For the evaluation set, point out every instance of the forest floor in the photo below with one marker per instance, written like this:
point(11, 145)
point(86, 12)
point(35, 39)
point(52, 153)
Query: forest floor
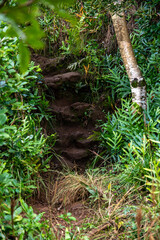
point(79, 210)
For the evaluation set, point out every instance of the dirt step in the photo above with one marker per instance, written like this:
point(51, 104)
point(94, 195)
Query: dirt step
point(57, 80)
point(80, 108)
point(72, 134)
point(71, 113)
point(79, 143)
point(64, 113)
point(75, 153)
point(84, 143)
point(49, 65)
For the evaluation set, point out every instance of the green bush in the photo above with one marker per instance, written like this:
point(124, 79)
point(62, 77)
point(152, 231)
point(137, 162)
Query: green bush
point(17, 219)
point(23, 147)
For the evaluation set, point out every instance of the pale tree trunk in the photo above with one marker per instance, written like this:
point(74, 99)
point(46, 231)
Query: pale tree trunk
point(137, 82)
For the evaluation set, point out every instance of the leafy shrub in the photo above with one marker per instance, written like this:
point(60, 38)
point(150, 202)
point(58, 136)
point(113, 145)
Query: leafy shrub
point(23, 147)
point(23, 150)
point(119, 129)
point(22, 143)
point(17, 219)
point(125, 139)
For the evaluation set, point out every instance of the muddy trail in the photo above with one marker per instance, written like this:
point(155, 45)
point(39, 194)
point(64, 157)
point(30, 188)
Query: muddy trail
point(74, 120)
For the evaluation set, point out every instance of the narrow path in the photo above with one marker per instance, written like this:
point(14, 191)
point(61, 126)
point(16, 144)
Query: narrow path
point(75, 117)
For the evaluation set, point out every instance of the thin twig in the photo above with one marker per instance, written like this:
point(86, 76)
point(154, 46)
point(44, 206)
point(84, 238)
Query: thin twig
point(109, 222)
point(100, 228)
point(117, 205)
point(152, 224)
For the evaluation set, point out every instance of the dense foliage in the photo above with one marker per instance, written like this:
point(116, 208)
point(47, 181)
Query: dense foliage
point(130, 148)
point(21, 15)
point(23, 147)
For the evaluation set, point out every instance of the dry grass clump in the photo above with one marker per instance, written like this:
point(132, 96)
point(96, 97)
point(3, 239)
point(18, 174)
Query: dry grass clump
point(69, 189)
point(118, 212)
point(75, 187)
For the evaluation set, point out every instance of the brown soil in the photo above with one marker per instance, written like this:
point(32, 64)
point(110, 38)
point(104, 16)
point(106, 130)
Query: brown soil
point(75, 117)
point(78, 210)
point(75, 120)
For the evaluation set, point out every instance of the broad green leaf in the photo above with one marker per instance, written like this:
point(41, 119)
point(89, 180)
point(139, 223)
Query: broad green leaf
point(152, 140)
point(17, 106)
point(72, 218)
point(13, 29)
point(16, 213)
point(24, 205)
point(34, 40)
point(3, 118)
point(4, 135)
point(149, 170)
point(67, 234)
point(24, 57)
point(20, 15)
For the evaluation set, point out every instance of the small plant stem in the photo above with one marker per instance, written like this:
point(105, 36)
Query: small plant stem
point(99, 228)
point(138, 220)
point(152, 224)
point(12, 212)
point(117, 205)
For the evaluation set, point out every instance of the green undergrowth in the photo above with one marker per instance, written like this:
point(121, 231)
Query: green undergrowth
point(113, 208)
point(123, 192)
point(120, 190)
point(24, 150)
point(92, 49)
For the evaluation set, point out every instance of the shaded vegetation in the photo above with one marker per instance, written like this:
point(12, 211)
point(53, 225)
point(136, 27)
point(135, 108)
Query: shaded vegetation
point(122, 183)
